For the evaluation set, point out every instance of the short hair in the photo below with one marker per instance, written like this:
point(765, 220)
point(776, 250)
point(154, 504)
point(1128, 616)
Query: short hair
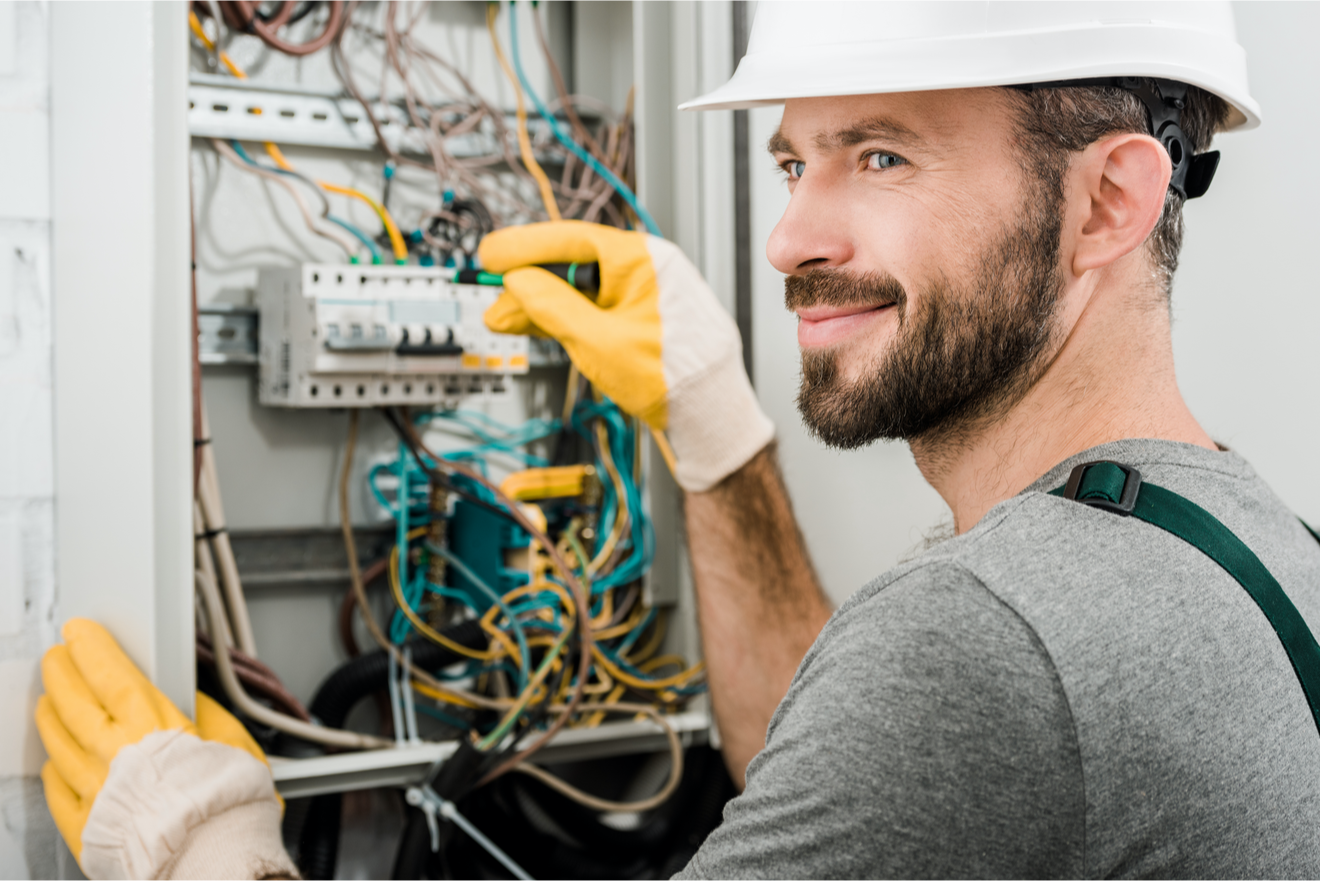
point(1053, 123)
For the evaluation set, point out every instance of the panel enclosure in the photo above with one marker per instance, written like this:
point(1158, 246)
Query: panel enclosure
point(278, 429)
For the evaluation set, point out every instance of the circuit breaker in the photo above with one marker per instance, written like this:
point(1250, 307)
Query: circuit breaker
point(335, 335)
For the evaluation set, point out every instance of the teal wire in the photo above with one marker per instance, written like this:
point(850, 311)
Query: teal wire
point(449, 720)
point(401, 519)
point(357, 233)
point(619, 186)
point(450, 594)
point(524, 656)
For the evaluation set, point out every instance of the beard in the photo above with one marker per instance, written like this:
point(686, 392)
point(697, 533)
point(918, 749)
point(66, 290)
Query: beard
point(963, 355)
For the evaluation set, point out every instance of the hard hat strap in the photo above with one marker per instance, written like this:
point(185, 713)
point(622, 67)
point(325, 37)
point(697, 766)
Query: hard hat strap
point(1164, 101)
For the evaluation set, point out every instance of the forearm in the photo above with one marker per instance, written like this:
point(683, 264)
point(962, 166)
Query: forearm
point(760, 603)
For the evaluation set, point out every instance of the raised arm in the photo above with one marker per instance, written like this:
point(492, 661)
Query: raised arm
point(658, 342)
point(760, 603)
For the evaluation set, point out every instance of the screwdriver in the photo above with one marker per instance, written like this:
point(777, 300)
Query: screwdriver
point(583, 276)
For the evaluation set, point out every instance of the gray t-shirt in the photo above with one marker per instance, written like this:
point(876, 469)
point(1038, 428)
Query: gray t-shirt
point(1058, 692)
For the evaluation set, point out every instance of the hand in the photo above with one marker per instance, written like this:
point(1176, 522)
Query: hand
point(96, 703)
point(135, 788)
point(656, 340)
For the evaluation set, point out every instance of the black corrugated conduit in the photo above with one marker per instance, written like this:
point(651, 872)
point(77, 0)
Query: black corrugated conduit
point(342, 690)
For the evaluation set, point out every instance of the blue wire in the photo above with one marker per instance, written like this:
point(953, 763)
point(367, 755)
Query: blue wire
point(514, 623)
point(631, 638)
point(357, 233)
point(443, 717)
point(620, 187)
point(450, 594)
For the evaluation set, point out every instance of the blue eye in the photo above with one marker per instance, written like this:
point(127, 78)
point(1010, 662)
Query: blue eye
point(884, 160)
point(795, 169)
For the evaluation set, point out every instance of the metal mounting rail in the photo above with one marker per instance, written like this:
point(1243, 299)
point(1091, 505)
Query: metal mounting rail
point(406, 766)
point(224, 107)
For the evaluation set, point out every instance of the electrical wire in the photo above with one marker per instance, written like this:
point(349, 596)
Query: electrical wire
point(619, 186)
point(524, 140)
point(257, 676)
point(246, 18)
point(260, 713)
point(666, 451)
point(233, 157)
point(391, 228)
point(607, 805)
point(440, 474)
point(359, 589)
point(315, 187)
point(213, 517)
point(564, 101)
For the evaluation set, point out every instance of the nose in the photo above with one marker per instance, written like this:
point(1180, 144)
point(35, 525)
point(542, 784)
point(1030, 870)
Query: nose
point(810, 235)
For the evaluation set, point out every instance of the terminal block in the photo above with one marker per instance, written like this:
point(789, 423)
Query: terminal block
point(370, 336)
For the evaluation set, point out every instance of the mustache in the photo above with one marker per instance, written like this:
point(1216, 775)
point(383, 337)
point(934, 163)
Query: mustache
point(837, 287)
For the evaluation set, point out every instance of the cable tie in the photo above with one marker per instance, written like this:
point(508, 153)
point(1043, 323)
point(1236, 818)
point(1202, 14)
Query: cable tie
point(210, 533)
point(200, 442)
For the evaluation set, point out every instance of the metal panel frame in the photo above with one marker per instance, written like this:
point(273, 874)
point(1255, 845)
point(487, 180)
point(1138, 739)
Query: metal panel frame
point(408, 765)
point(123, 435)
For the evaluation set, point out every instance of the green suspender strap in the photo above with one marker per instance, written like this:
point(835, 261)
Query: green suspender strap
point(1120, 489)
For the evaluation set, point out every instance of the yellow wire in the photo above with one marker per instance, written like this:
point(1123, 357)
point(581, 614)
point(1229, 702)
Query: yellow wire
point(634, 618)
point(196, 24)
point(396, 238)
point(651, 685)
point(661, 661)
point(570, 393)
point(488, 625)
point(666, 451)
point(606, 610)
point(423, 688)
point(422, 627)
point(637, 655)
point(524, 140)
point(621, 517)
point(535, 587)
point(596, 718)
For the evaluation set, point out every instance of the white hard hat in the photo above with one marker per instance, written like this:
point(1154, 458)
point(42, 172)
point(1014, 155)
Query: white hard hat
point(822, 47)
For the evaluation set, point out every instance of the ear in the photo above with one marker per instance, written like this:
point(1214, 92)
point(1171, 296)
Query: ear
point(1124, 180)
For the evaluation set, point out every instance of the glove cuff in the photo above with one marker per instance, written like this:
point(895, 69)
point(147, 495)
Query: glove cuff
point(716, 424)
point(213, 851)
point(176, 806)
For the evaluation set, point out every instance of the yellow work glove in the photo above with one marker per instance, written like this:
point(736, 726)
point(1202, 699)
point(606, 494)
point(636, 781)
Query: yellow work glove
point(655, 339)
point(131, 784)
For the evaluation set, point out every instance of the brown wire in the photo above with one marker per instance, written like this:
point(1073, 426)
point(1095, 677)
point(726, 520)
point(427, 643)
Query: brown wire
point(583, 136)
point(360, 591)
point(349, 603)
point(196, 365)
point(245, 16)
point(414, 441)
point(257, 677)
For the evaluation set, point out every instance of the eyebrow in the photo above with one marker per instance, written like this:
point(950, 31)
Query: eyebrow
point(873, 129)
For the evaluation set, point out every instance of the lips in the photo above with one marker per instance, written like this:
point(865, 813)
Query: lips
point(820, 326)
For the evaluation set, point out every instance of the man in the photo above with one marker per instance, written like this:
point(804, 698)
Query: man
point(984, 223)
point(983, 272)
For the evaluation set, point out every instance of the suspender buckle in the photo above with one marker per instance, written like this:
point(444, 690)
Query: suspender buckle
point(1111, 486)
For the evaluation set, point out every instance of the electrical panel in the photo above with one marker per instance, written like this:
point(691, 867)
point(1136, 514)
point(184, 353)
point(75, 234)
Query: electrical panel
point(335, 335)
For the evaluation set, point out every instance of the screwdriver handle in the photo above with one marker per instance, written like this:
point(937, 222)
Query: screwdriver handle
point(583, 276)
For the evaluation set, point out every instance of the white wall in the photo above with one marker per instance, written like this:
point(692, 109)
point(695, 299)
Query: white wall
point(1246, 300)
point(1246, 310)
point(27, 481)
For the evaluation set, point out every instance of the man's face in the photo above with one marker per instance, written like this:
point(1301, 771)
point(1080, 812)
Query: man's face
point(922, 261)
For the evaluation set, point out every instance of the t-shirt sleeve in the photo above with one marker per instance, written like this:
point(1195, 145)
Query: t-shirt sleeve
point(926, 734)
